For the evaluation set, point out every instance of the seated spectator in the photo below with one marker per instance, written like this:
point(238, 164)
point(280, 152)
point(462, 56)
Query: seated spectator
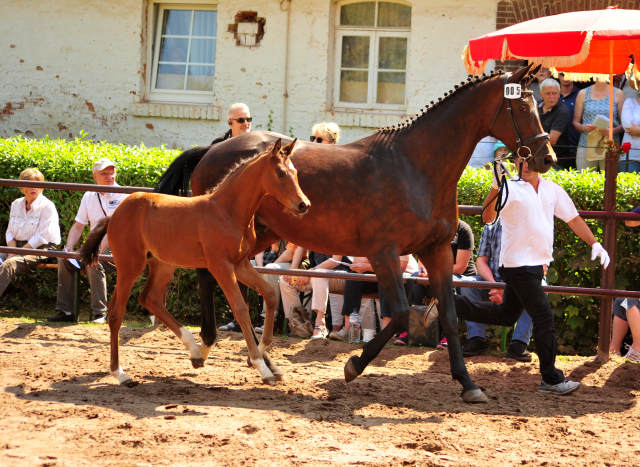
point(239, 119)
point(542, 74)
point(354, 290)
point(554, 117)
point(626, 314)
point(93, 208)
point(322, 287)
point(631, 124)
point(33, 224)
point(291, 254)
point(463, 267)
point(325, 133)
point(488, 266)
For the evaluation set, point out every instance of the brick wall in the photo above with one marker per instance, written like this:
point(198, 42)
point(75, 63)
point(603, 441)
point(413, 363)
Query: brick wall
point(516, 11)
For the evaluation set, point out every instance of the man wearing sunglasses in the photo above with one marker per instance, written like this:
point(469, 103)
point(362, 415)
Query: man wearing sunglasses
point(239, 119)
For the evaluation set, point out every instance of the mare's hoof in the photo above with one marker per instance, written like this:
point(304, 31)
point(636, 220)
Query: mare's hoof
point(197, 362)
point(130, 383)
point(474, 396)
point(351, 371)
point(270, 380)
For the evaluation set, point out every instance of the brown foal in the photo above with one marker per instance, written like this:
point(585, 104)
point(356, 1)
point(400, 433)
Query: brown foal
point(214, 231)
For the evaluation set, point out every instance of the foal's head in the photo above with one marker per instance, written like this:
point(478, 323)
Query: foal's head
point(281, 179)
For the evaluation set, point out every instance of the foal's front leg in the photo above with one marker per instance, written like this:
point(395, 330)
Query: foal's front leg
point(250, 277)
point(223, 271)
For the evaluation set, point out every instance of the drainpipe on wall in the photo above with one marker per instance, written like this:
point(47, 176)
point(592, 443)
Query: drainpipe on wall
point(286, 67)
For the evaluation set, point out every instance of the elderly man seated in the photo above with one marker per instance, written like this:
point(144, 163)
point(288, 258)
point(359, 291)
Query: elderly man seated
point(555, 119)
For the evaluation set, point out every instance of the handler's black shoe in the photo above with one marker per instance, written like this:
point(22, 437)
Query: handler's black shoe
point(518, 351)
point(560, 389)
point(476, 346)
point(61, 317)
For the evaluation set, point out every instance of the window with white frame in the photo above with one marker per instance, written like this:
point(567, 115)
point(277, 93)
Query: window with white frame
point(184, 53)
point(372, 46)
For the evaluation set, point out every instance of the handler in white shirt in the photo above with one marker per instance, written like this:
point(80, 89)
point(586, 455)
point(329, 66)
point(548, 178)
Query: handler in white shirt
point(33, 223)
point(527, 245)
point(93, 207)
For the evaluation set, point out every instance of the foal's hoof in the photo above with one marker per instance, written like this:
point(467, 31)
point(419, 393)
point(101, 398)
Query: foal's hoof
point(351, 371)
point(474, 396)
point(129, 383)
point(269, 380)
point(197, 362)
point(279, 377)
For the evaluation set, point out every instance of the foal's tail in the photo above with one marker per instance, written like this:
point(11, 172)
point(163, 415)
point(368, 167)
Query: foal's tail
point(175, 180)
point(91, 248)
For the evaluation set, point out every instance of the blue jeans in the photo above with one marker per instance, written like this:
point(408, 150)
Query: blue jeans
point(524, 326)
point(632, 166)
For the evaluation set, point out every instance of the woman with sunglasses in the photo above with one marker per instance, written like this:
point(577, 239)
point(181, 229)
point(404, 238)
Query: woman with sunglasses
point(325, 133)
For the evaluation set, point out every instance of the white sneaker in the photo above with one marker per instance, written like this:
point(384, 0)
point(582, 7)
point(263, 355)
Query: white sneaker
point(322, 334)
point(340, 335)
point(633, 355)
point(560, 389)
point(100, 319)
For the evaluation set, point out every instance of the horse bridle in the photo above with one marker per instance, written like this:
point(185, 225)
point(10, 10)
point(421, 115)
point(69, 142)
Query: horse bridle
point(516, 129)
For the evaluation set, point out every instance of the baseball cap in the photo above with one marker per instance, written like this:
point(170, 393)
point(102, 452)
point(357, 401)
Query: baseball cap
point(498, 145)
point(102, 164)
point(636, 210)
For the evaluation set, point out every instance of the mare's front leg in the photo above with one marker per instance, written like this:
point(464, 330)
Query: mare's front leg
point(223, 270)
point(250, 277)
point(208, 331)
point(152, 298)
point(387, 267)
point(439, 263)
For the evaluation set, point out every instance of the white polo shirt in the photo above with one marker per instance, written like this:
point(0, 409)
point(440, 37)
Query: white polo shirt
point(527, 222)
point(94, 206)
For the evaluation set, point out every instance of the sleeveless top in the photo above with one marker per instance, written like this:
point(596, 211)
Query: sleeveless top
point(592, 109)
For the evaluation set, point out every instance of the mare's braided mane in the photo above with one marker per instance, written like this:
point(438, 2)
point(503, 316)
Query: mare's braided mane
point(447, 95)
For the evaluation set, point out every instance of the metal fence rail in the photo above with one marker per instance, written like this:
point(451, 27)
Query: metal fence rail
point(364, 277)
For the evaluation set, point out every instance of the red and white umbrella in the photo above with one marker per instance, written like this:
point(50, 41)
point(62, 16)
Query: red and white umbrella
point(582, 44)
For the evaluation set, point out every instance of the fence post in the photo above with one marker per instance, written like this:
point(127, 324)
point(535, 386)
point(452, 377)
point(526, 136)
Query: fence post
point(609, 242)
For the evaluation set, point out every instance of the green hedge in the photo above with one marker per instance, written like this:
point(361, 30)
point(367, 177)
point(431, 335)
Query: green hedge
point(59, 160)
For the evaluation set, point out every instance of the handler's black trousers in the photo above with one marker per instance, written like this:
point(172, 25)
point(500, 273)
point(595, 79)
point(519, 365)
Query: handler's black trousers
point(523, 290)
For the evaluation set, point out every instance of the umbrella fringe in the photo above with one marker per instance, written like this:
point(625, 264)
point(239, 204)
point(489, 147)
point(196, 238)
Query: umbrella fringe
point(473, 68)
point(477, 68)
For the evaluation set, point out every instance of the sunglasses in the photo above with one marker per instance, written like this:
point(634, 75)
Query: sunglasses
point(317, 139)
point(242, 120)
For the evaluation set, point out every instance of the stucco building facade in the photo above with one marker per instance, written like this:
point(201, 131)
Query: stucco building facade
point(164, 72)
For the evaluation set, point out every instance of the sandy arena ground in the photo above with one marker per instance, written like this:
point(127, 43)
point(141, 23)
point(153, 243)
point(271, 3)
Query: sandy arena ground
point(59, 407)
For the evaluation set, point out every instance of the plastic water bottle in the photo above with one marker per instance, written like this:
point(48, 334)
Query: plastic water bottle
point(354, 330)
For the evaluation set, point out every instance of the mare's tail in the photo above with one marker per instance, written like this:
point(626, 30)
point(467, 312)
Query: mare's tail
point(175, 180)
point(91, 248)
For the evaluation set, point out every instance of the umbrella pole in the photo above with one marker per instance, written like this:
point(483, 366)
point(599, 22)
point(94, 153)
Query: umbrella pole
point(610, 232)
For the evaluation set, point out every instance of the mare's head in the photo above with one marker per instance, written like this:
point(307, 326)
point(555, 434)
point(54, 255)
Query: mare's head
point(281, 179)
point(517, 124)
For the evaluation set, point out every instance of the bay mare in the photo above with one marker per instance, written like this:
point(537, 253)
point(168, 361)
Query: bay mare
point(213, 232)
point(389, 194)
